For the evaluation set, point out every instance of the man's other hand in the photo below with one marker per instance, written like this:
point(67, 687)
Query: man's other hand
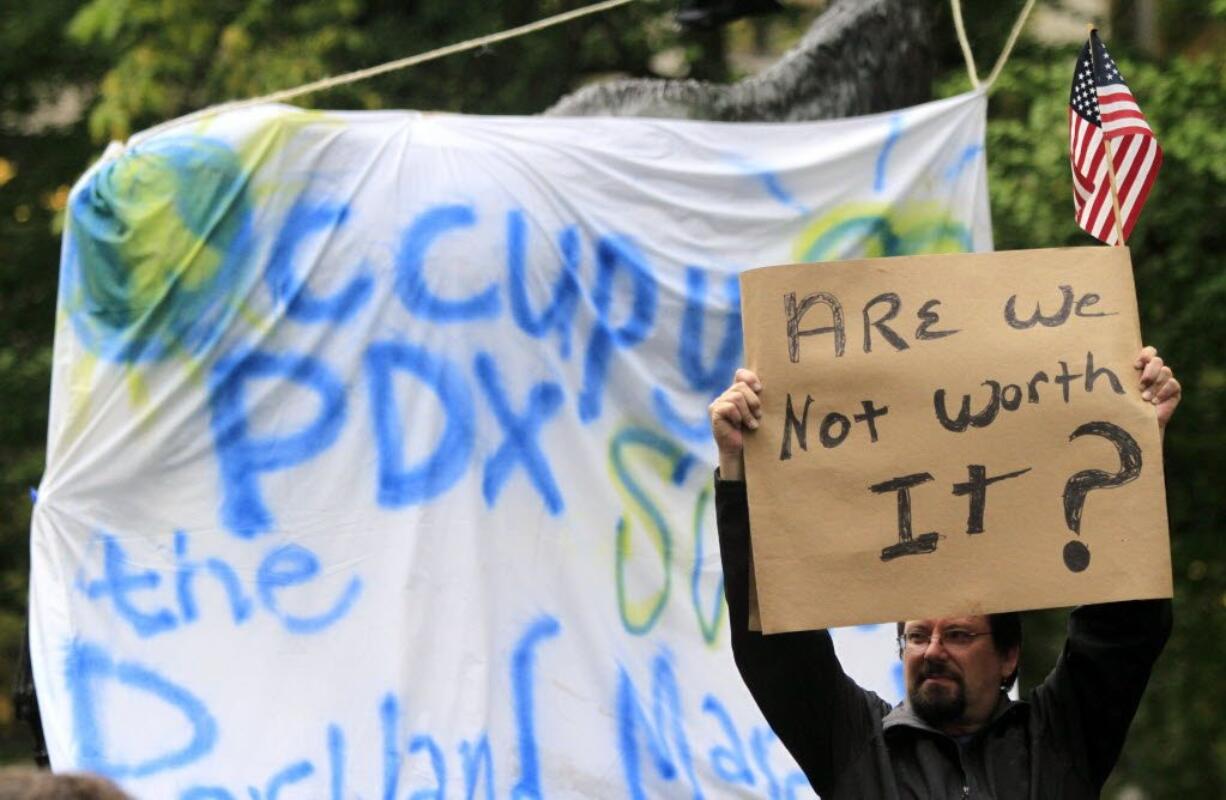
point(732, 413)
point(1158, 385)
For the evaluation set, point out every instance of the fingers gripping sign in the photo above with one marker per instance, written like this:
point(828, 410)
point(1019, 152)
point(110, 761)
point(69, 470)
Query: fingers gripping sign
point(1158, 385)
point(737, 409)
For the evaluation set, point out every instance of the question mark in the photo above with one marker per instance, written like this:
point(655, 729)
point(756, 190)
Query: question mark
point(1076, 554)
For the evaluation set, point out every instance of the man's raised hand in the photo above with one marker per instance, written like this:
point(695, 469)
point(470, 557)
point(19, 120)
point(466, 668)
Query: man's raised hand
point(1158, 385)
point(734, 411)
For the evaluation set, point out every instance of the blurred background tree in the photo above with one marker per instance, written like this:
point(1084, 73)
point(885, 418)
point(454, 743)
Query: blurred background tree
point(45, 85)
point(75, 74)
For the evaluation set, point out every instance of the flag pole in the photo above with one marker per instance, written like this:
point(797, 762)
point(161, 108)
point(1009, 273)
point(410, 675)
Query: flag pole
point(1115, 197)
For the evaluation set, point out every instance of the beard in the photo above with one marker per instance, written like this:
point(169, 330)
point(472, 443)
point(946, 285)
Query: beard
point(937, 703)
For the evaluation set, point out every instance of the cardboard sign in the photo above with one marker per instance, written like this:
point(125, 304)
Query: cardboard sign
point(950, 434)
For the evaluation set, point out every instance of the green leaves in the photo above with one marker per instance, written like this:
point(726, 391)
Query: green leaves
point(99, 22)
point(171, 58)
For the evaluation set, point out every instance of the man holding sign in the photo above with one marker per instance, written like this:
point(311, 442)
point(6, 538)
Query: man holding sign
point(957, 734)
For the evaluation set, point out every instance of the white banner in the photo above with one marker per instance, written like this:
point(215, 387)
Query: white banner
point(378, 459)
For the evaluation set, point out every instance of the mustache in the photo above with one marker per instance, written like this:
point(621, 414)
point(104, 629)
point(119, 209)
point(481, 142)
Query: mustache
point(931, 669)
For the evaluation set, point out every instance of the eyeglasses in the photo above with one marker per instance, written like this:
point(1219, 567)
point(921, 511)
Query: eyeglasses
point(953, 639)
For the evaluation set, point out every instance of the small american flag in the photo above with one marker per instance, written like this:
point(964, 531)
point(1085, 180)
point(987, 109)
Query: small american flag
point(1102, 110)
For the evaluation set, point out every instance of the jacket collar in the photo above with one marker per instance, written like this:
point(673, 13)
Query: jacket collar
point(903, 716)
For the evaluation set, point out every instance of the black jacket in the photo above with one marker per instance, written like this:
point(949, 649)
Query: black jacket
point(1062, 742)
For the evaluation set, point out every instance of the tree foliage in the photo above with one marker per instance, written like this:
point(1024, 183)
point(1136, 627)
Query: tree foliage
point(42, 150)
point(177, 56)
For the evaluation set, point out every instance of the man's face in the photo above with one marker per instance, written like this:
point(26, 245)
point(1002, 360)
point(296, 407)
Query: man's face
point(953, 681)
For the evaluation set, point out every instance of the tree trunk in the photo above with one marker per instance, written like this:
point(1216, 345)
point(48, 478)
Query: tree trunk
point(859, 57)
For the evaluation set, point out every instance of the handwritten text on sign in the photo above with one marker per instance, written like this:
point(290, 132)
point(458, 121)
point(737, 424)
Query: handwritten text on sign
point(950, 434)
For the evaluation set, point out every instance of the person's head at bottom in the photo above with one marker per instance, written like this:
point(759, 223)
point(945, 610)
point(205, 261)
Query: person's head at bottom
point(956, 668)
point(27, 783)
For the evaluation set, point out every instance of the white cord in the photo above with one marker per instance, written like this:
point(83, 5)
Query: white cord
point(390, 66)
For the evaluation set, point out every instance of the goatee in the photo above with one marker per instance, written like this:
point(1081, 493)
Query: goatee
point(937, 703)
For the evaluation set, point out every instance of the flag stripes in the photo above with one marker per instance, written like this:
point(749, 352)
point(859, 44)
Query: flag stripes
point(1104, 118)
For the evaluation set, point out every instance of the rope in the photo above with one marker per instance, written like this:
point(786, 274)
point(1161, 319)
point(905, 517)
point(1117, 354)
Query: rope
point(971, 71)
point(390, 66)
point(1012, 40)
